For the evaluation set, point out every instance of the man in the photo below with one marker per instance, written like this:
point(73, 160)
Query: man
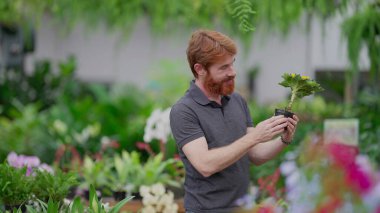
point(214, 131)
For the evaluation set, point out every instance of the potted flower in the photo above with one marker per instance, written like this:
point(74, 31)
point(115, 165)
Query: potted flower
point(300, 86)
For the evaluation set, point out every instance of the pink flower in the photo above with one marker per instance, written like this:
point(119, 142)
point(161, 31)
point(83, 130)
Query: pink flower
point(265, 209)
point(29, 171)
point(142, 145)
point(360, 180)
point(19, 161)
point(342, 154)
point(45, 167)
point(22, 160)
point(13, 160)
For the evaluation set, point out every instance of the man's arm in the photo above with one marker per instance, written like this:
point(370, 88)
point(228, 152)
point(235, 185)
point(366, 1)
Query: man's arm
point(264, 152)
point(209, 161)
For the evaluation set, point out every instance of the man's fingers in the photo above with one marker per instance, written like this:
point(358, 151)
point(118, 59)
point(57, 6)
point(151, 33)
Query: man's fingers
point(279, 121)
point(279, 127)
point(274, 118)
point(291, 128)
point(278, 132)
point(293, 121)
point(295, 117)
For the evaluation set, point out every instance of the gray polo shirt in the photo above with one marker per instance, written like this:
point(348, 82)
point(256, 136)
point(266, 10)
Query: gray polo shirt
point(194, 116)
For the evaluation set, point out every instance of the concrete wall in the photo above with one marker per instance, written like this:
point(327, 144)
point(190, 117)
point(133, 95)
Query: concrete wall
point(106, 57)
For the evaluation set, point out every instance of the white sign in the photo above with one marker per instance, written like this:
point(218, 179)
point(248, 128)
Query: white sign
point(341, 131)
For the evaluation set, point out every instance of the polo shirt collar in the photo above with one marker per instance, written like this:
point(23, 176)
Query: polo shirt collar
point(199, 97)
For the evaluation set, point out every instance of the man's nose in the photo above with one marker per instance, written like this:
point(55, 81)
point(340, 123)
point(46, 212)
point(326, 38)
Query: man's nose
point(232, 72)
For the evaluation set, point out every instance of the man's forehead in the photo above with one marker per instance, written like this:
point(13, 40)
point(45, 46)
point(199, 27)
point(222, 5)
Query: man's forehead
point(228, 59)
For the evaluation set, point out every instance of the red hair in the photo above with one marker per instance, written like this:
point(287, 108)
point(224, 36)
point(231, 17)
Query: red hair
point(206, 47)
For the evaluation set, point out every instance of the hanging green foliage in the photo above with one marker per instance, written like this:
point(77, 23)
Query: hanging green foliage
point(238, 17)
point(363, 30)
point(281, 15)
point(242, 10)
point(164, 15)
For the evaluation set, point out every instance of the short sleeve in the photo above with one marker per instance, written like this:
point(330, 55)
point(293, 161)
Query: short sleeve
point(184, 124)
point(247, 114)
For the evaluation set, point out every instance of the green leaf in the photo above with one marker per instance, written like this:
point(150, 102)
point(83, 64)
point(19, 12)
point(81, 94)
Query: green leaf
point(120, 204)
point(77, 206)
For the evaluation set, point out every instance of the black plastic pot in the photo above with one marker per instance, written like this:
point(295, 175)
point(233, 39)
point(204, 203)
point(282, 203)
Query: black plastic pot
point(119, 195)
point(287, 114)
point(72, 192)
point(10, 208)
point(136, 196)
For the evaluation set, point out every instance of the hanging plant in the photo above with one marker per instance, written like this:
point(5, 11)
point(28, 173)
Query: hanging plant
point(236, 16)
point(363, 30)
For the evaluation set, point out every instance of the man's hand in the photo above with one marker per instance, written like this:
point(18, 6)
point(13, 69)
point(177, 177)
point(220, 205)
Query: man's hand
point(291, 129)
point(268, 129)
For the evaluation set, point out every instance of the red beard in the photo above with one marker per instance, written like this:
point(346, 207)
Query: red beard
point(223, 87)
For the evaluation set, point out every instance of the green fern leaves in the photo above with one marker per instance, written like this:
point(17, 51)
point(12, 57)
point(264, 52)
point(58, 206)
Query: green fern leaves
point(242, 10)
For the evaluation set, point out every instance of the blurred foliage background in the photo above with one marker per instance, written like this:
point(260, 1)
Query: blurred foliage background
point(32, 103)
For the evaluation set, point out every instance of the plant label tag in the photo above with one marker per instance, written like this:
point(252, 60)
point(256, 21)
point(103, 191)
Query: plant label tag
point(344, 131)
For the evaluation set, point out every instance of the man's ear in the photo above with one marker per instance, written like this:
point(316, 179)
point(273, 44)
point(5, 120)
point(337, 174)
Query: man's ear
point(199, 69)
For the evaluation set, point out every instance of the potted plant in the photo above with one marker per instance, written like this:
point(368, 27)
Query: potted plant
point(155, 170)
point(125, 173)
point(54, 186)
point(94, 204)
point(94, 172)
point(300, 86)
point(15, 186)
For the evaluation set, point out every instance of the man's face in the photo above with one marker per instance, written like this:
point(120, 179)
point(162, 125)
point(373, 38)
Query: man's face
point(220, 77)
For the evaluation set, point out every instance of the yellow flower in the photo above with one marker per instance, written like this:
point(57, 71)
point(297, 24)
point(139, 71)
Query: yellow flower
point(293, 75)
point(305, 77)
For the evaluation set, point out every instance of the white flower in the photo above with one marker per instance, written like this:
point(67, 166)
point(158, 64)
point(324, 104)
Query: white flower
point(158, 126)
point(144, 191)
point(83, 136)
point(155, 198)
point(150, 200)
point(106, 206)
point(105, 141)
point(165, 200)
point(158, 189)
